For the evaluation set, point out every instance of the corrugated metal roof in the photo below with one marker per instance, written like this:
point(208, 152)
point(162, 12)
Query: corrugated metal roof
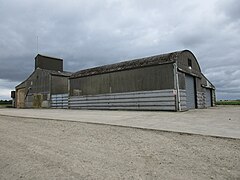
point(136, 63)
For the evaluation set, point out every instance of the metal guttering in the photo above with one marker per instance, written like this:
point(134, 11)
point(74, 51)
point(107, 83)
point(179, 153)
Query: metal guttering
point(132, 64)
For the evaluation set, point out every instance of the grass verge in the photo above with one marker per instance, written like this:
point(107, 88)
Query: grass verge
point(236, 102)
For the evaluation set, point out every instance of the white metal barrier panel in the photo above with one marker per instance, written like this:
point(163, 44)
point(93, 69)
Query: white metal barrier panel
point(143, 100)
point(59, 101)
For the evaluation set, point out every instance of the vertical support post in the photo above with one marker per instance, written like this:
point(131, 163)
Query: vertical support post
point(50, 90)
point(68, 80)
point(177, 87)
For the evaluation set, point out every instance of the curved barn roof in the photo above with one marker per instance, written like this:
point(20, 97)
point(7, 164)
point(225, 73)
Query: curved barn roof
point(136, 63)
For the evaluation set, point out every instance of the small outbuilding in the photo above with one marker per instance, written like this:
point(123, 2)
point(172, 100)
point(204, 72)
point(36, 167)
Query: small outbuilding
point(43, 87)
point(172, 81)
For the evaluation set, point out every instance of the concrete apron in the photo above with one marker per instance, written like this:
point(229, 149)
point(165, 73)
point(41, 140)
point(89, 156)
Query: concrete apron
point(223, 121)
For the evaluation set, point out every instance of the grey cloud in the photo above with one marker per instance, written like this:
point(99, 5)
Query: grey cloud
point(226, 79)
point(92, 33)
point(230, 9)
point(16, 68)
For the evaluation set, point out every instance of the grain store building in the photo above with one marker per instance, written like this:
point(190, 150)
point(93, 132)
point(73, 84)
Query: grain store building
point(172, 81)
point(43, 87)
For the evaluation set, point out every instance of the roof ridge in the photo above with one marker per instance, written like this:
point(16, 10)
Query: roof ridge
point(129, 64)
point(51, 57)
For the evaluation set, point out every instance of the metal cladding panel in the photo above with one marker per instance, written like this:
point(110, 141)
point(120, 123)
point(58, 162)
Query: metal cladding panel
point(143, 100)
point(59, 84)
point(201, 99)
point(38, 82)
point(190, 91)
point(59, 101)
point(208, 98)
point(181, 80)
point(183, 100)
point(183, 63)
point(44, 62)
point(158, 77)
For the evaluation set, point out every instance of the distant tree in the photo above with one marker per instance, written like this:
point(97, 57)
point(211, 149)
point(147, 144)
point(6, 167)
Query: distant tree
point(5, 101)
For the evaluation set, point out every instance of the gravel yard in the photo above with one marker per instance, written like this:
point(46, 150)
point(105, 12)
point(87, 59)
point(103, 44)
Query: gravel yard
point(50, 149)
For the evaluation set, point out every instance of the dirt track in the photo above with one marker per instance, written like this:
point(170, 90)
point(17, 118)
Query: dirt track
point(47, 149)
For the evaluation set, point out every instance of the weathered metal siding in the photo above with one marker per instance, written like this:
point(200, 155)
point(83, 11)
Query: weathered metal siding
point(195, 70)
point(48, 63)
point(183, 99)
point(36, 89)
point(59, 101)
point(181, 80)
point(59, 85)
point(201, 100)
point(182, 64)
point(141, 79)
point(208, 98)
point(144, 100)
point(213, 98)
point(206, 86)
point(200, 96)
point(38, 82)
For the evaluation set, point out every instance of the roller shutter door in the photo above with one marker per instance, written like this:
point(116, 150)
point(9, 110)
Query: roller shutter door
point(208, 98)
point(190, 91)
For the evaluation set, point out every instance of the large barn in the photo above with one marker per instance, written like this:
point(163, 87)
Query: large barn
point(47, 82)
point(172, 81)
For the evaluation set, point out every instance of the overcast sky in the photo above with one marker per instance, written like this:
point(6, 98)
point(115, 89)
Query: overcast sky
point(97, 32)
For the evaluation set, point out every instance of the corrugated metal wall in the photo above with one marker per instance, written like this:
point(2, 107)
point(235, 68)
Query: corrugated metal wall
point(183, 99)
point(38, 82)
point(142, 100)
point(208, 98)
point(142, 79)
point(59, 101)
point(201, 98)
point(59, 85)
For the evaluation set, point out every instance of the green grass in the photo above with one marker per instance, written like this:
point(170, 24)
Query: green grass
point(5, 105)
point(232, 102)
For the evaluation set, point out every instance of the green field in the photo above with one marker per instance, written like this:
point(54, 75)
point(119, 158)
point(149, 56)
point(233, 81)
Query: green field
point(5, 103)
point(232, 102)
